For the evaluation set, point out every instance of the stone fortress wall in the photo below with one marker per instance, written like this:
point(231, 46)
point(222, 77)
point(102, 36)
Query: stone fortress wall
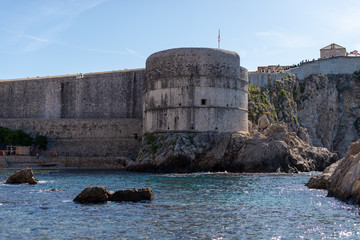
point(115, 94)
point(95, 114)
point(335, 65)
point(195, 89)
point(101, 114)
point(264, 80)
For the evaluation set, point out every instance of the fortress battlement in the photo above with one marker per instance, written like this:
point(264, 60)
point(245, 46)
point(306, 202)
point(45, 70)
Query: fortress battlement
point(77, 75)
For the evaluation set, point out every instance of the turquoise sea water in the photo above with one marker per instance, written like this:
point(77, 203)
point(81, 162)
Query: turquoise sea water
point(187, 206)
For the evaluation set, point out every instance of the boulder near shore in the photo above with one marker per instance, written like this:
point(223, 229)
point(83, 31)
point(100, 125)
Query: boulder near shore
point(25, 175)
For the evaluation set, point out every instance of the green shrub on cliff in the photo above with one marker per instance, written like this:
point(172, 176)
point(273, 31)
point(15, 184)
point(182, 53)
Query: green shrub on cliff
point(277, 101)
point(259, 104)
point(150, 138)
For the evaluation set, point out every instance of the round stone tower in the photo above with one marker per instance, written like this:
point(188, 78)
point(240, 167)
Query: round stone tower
point(195, 90)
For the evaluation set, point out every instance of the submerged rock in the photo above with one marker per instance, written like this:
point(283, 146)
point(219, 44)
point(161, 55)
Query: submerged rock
point(93, 195)
point(53, 190)
point(133, 195)
point(25, 175)
point(274, 150)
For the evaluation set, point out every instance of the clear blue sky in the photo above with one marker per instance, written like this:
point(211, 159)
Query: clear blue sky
point(54, 37)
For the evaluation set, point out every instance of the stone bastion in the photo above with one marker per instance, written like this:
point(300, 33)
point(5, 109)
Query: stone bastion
point(195, 90)
point(104, 114)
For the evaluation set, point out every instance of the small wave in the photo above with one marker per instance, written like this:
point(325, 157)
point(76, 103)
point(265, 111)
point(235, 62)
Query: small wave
point(66, 201)
point(44, 181)
point(196, 174)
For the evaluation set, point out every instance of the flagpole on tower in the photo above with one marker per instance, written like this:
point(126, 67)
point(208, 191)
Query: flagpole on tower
point(219, 39)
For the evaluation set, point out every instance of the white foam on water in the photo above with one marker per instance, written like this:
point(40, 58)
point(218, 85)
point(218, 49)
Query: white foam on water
point(43, 181)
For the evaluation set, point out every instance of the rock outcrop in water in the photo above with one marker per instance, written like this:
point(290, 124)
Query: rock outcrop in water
point(322, 180)
point(93, 195)
point(274, 150)
point(344, 180)
point(102, 195)
point(25, 175)
point(132, 195)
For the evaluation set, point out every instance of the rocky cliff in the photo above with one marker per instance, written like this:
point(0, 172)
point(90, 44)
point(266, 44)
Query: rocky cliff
point(286, 118)
point(275, 149)
point(327, 108)
point(342, 178)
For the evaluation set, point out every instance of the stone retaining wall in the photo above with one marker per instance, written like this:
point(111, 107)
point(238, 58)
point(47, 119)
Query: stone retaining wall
point(62, 162)
point(84, 137)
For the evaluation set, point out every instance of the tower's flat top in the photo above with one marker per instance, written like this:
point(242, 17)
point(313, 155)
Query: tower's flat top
point(194, 50)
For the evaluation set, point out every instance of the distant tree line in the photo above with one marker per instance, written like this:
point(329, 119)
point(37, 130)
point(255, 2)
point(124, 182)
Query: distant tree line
point(19, 137)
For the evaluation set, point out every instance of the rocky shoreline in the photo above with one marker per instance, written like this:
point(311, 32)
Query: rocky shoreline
point(268, 148)
point(275, 149)
point(341, 179)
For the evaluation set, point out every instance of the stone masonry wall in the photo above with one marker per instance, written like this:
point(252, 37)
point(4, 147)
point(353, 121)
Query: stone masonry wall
point(87, 115)
point(84, 137)
point(116, 94)
point(263, 80)
point(336, 65)
point(195, 89)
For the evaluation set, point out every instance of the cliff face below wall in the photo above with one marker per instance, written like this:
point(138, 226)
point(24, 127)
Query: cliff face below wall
point(329, 107)
point(323, 110)
point(274, 150)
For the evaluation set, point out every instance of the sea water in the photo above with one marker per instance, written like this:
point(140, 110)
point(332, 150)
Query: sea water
point(186, 206)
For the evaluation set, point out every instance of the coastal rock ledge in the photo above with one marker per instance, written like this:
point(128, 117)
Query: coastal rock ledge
point(25, 175)
point(273, 150)
point(342, 179)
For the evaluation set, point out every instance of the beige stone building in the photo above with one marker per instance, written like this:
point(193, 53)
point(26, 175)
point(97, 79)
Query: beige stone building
point(333, 50)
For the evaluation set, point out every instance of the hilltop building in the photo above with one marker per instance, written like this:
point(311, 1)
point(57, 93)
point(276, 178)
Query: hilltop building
point(333, 50)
